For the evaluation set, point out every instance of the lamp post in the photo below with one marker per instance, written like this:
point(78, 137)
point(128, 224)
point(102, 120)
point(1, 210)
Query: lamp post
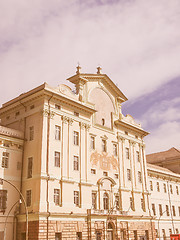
point(158, 224)
point(22, 197)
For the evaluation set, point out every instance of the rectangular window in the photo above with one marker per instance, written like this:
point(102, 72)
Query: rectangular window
point(76, 163)
point(164, 233)
point(98, 235)
point(76, 138)
point(104, 145)
point(76, 114)
point(160, 209)
point(57, 132)
point(31, 133)
point(170, 231)
point(94, 200)
point(146, 234)
point(28, 198)
point(177, 190)
point(57, 107)
point(92, 142)
point(131, 203)
point(164, 185)
point(171, 189)
point(57, 159)
point(151, 185)
point(177, 231)
point(167, 210)
point(135, 235)
point(5, 160)
point(57, 196)
point(153, 209)
point(30, 167)
point(117, 201)
point(139, 177)
point(158, 188)
point(179, 210)
point(76, 198)
point(93, 171)
point(32, 107)
point(115, 149)
point(129, 174)
point(174, 211)
point(127, 153)
point(105, 174)
point(3, 200)
point(79, 236)
point(17, 114)
point(58, 236)
point(143, 204)
point(137, 156)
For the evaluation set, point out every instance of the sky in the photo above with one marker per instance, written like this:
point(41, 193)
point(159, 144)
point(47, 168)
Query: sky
point(136, 42)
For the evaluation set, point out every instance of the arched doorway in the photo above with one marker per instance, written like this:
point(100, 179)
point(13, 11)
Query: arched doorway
point(110, 231)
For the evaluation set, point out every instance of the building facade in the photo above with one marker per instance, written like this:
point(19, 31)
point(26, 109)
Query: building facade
point(84, 172)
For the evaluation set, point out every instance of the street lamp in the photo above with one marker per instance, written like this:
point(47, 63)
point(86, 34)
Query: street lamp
point(22, 197)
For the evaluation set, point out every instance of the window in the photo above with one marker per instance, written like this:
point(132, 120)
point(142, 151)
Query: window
point(146, 234)
point(127, 153)
point(58, 236)
point(8, 117)
point(104, 145)
point(28, 198)
point(92, 142)
point(129, 174)
point(57, 159)
point(56, 196)
point(23, 236)
point(3, 200)
point(76, 163)
point(158, 188)
point(116, 175)
point(177, 231)
point(156, 233)
point(164, 233)
point(106, 201)
point(93, 171)
point(32, 106)
point(131, 203)
point(76, 138)
point(79, 236)
point(117, 201)
point(57, 107)
point(153, 209)
point(171, 189)
point(174, 211)
point(76, 198)
point(167, 210)
point(18, 165)
point(57, 132)
point(103, 121)
point(105, 174)
point(143, 204)
point(160, 209)
point(76, 114)
point(139, 177)
point(17, 114)
point(31, 133)
point(94, 200)
point(137, 156)
point(177, 190)
point(126, 132)
point(170, 231)
point(151, 186)
point(30, 167)
point(115, 149)
point(5, 160)
point(179, 210)
point(135, 235)
point(164, 185)
point(98, 235)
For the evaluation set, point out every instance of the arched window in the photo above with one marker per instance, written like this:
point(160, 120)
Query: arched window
point(106, 201)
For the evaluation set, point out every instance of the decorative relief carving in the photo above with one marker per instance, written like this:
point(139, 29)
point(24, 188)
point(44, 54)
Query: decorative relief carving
point(84, 126)
point(64, 119)
point(49, 113)
point(105, 162)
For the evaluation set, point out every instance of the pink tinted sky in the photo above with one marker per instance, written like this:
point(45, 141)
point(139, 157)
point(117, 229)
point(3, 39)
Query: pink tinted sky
point(137, 42)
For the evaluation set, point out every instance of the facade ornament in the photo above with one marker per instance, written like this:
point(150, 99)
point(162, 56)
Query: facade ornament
point(99, 70)
point(64, 119)
point(51, 114)
point(82, 125)
point(70, 121)
point(45, 112)
point(120, 138)
point(78, 69)
point(88, 127)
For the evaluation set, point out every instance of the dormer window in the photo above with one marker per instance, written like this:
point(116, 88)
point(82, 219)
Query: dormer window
point(103, 121)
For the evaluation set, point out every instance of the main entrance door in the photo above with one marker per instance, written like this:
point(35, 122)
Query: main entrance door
point(110, 232)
